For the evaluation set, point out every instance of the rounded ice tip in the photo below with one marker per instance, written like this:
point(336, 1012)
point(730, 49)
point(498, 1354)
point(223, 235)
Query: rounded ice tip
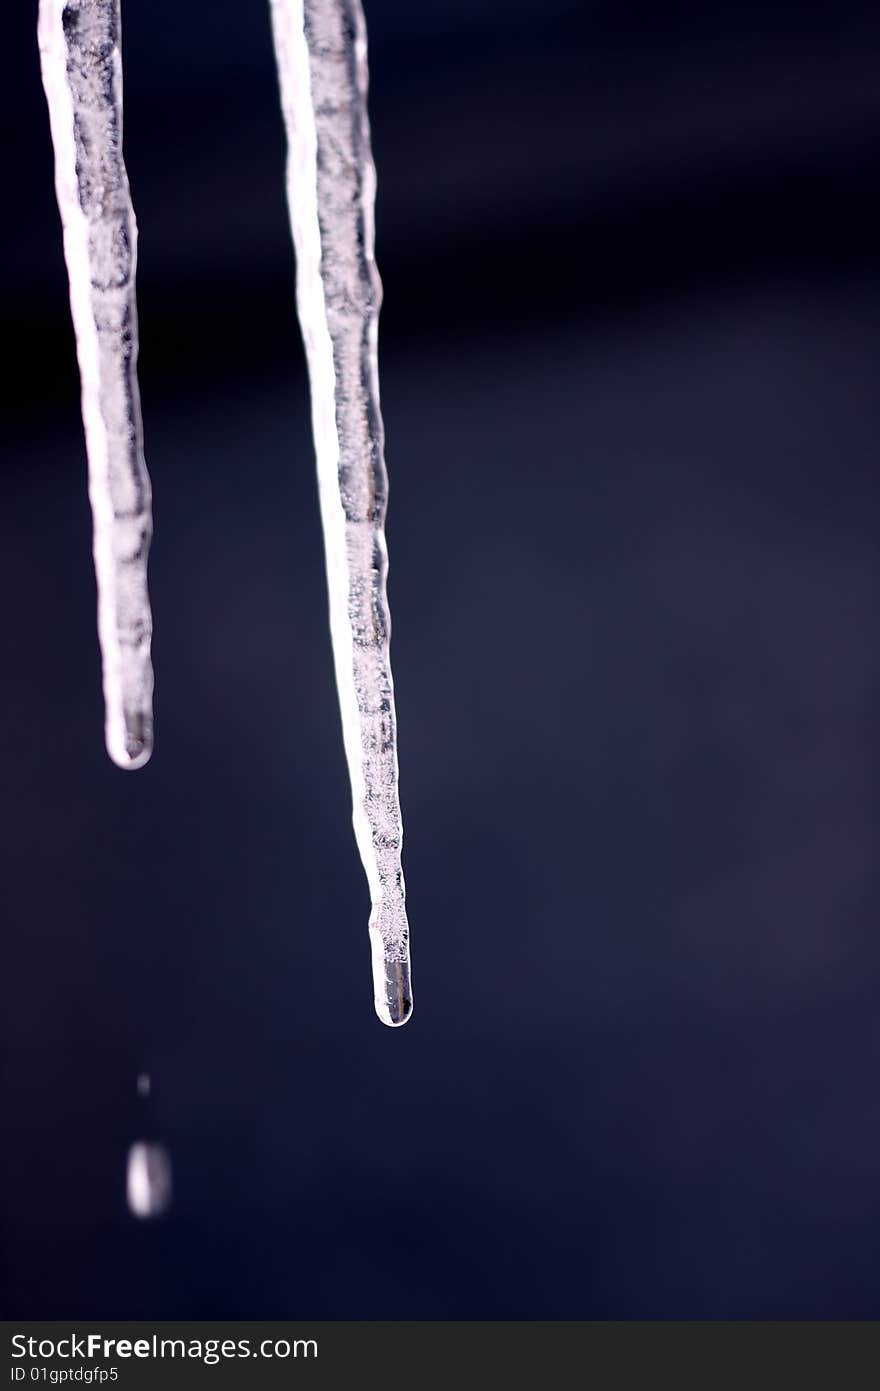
point(393, 997)
point(130, 743)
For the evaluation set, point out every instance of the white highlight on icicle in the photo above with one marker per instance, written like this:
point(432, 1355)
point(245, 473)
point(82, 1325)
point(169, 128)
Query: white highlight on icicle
point(82, 75)
point(322, 64)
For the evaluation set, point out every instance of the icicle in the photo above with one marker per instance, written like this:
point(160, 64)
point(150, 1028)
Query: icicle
point(322, 64)
point(82, 76)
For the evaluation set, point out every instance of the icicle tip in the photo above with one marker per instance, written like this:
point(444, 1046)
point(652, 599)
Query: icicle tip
point(130, 742)
point(393, 993)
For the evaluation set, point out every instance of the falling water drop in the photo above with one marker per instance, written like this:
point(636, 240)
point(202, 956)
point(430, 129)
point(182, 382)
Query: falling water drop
point(148, 1179)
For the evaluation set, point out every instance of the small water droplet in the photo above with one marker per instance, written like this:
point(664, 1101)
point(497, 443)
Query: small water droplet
point(144, 1084)
point(148, 1179)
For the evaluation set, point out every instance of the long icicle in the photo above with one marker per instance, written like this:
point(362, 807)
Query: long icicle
point(82, 75)
point(322, 64)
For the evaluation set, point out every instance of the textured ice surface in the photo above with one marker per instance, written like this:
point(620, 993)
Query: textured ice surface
point(322, 64)
point(148, 1179)
point(82, 76)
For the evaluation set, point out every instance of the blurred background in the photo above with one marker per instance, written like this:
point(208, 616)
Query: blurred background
point(628, 358)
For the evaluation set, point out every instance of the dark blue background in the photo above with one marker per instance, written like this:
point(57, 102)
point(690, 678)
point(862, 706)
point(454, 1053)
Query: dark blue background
point(629, 354)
